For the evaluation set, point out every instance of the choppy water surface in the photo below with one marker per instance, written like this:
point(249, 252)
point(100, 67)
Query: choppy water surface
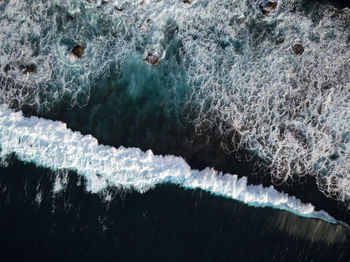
point(254, 88)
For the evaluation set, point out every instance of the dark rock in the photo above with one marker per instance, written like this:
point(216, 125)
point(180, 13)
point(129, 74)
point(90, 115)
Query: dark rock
point(77, 51)
point(187, 2)
point(267, 8)
point(104, 3)
point(298, 49)
point(151, 59)
point(265, 12)
point(272, 6)
point(29, 69)
point(118, 9)
point(148, 20)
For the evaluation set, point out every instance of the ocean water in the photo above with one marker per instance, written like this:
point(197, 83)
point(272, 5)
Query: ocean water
point(200, 130)
point(167, 223)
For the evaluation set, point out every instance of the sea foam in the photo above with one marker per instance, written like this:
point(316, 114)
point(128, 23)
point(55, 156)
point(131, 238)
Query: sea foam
point(235, 65)
point(51, 144)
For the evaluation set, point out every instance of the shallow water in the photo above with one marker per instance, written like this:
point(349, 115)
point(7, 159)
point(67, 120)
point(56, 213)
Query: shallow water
point(225, 68)
point(229, 92)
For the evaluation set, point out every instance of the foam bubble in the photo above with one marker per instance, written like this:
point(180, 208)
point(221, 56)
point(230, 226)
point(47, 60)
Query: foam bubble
point(292, 110)
point(51, 144)
point(242, 74)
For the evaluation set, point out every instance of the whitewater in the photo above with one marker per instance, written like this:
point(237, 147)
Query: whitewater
point(51, 144)
point(225, 66)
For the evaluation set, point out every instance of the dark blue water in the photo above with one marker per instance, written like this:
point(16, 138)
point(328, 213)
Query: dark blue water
point(167, 223)
point(176, 107)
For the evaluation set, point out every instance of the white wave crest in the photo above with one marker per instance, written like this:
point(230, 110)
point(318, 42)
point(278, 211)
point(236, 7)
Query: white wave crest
point(243, 77)
point(51, 144)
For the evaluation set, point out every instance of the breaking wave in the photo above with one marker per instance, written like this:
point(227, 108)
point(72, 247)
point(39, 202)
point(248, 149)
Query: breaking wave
point(51, 144)
point(290, 108)
point(273, 79)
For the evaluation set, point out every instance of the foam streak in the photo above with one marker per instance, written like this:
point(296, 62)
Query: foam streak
point(51, 144)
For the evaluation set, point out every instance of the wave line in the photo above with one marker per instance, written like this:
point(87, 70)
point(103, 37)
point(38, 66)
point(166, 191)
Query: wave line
point(51, 144)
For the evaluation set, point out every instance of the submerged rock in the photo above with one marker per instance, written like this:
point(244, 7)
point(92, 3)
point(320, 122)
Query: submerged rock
point(298, 49)
point(70, 17)
point(152, 59)
point(77, 51)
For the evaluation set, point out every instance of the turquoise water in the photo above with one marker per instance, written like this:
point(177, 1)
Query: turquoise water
point(226, 90)
point(224, 68)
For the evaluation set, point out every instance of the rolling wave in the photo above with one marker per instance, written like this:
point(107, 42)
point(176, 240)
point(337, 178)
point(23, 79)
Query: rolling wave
point(269, 78)
point(51, 144)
